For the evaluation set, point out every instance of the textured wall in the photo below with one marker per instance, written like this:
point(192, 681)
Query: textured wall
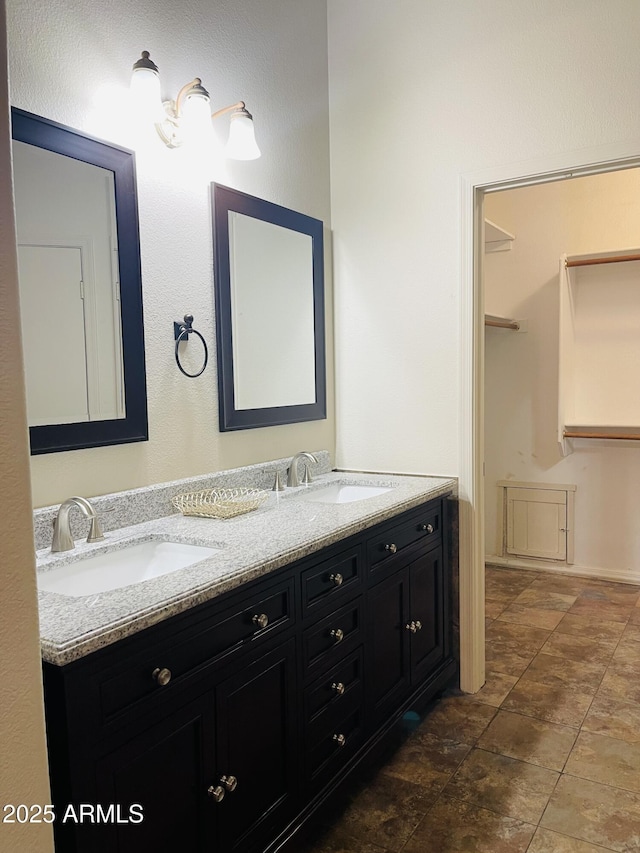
point(70, 60)
point(592, 214)
point(23, 765)
point(422, 92)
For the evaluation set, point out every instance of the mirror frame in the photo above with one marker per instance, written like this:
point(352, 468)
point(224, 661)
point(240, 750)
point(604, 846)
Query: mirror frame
point(224, 200)
point(44, 133)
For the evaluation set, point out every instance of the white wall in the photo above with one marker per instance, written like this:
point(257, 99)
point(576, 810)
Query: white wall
point(23, 763)
point(421, 93)
point(591, 214)
point(70, 62)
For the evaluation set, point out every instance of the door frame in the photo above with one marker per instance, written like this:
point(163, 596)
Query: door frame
point(473, 187)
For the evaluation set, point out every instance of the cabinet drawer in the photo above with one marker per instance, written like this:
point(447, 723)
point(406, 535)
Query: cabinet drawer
point(425, 526)
point(329, 747)
point(332, 637)
point(334, 687)
point(331, 580)
point(260, 617)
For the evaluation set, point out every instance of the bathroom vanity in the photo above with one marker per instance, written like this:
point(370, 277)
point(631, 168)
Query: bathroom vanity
point(232, 715)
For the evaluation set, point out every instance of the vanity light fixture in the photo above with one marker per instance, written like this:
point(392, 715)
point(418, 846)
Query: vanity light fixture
point(188, 118)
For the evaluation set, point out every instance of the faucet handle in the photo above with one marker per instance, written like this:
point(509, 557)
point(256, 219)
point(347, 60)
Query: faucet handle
point(95, 531)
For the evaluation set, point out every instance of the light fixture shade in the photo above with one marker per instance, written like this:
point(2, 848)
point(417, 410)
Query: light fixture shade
point(145, 89)
point(242, 144)
point(196, 116)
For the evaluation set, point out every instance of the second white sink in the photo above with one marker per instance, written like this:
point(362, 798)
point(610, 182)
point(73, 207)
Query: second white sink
point(115, 569)
point(341, 493)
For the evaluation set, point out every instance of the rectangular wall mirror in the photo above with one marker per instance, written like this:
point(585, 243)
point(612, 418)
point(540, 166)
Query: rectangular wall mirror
point(80, 287)
point(269, 287)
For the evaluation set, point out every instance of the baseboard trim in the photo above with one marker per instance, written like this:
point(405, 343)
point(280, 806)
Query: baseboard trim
point(615, 575)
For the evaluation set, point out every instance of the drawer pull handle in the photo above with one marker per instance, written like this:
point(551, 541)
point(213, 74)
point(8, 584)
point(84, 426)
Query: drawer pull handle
point(261, 620)
point(340, 739)
point(216, 792)
point(229, 782)
point(427, 528)
point(391, 548)
point(411, 626)
point(338, 688)
point(336, 579)
point(337, 634)
point(161, 676)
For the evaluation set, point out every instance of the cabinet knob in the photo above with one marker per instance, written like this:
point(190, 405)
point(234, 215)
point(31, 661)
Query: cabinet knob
point(338, 688)
point(340, 739)
point(411, 626)
point(336, 579)
point(391, 548)
point(161, 676)
point(418, 625)
point(337, 634)
point(261, 620)
point(428, 528)
point(229, 782)
point(216, 792)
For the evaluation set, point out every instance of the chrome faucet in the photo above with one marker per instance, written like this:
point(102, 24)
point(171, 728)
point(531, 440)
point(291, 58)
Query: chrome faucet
point(292, 479)
point(62, 539)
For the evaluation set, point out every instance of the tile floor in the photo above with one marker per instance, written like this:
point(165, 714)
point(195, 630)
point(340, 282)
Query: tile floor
point(545, 759)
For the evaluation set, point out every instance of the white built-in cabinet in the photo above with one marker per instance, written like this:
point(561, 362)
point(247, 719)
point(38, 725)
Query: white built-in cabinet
point(599, 347)
point(538, 520)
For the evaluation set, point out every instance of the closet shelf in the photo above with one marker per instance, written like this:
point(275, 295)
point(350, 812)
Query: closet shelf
point(496, 239)
point(627, 433)
point(498, 322)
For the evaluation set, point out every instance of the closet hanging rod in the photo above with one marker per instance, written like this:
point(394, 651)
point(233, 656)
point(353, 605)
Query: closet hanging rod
point(501, 322)
point(609, 259)
point(621, 436)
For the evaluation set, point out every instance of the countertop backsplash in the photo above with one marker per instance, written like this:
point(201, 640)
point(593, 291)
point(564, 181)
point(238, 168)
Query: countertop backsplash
point(122, 509)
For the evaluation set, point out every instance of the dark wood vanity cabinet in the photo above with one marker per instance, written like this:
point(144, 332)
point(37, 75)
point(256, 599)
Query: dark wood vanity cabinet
point(229, 725)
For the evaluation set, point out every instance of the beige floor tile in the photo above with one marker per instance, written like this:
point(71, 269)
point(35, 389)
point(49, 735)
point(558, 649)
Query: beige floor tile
point(596, 813)
point(578, 648)
point(621, 680)
point(534, 617)
point(613, 593)
point(503, 785)
point(602, 610)
point(386, 812)
point(493, 608)
point(563, 584)
point(453, 826)
point(427, 760)
point(627, 650)
point(457, 718)
point(606, 760)
point(546, 841)
point(544, 599)
point(536, 741)
point(561, 672)
point(614, 717)
point(336, 840)
point(548, 702)
point(496, 689)
point(510, 648)
point(586, 626)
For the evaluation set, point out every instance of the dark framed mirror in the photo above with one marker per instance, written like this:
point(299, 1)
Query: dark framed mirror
point(80, 287)
point(269, 291)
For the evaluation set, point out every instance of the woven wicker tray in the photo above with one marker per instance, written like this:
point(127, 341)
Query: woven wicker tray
point(219, 503)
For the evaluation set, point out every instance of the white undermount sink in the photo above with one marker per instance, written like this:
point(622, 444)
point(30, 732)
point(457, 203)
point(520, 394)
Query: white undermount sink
point(342, 493)
point(140, 561)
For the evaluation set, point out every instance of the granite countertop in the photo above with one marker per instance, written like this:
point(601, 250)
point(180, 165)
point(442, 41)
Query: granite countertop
point(285, 528)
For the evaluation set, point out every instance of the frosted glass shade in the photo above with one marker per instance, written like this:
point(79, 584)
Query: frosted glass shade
point(241, 144)
point(196, 119)
point(145, 93)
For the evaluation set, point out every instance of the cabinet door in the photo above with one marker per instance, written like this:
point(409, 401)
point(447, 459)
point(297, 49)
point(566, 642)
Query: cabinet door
point(426, 614)
point(257, 745)
point(167, 771)
point(388, 645)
